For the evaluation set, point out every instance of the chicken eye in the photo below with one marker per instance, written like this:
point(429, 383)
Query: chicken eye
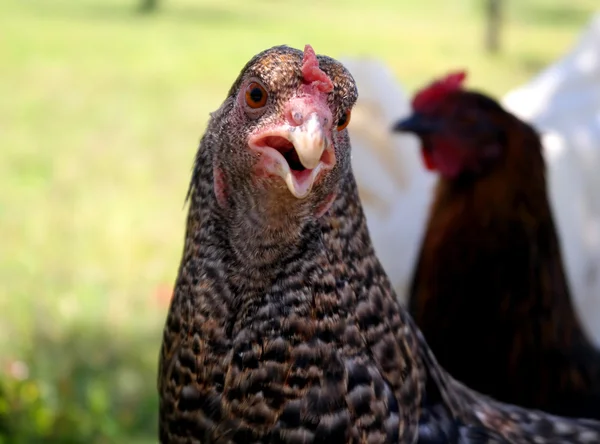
point(344, 121)
point(256, 96)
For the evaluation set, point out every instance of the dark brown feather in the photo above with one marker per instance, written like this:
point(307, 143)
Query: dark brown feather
point(489, 289)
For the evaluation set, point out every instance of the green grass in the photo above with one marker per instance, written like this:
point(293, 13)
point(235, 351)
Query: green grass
point(101, 110)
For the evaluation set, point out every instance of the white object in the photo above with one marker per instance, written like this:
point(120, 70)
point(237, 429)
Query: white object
point(394, 187)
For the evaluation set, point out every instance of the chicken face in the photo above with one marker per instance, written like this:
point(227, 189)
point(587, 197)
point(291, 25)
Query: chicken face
point(299, 147)
point(460, 131)
point(284, 130)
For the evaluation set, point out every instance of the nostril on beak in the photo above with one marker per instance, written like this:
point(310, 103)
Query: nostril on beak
point(297, 117)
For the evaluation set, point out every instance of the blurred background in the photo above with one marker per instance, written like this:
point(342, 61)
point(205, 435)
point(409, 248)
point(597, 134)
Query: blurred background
point(102, 104)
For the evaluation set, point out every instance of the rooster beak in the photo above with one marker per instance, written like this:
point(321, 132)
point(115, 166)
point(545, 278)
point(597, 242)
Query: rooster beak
point(416, 123)
point(310, 141)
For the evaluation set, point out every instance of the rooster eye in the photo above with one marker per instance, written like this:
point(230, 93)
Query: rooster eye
point(344, 121)
point(256, 96)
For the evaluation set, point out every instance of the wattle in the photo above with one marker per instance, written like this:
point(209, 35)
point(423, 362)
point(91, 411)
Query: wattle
point(428, 159)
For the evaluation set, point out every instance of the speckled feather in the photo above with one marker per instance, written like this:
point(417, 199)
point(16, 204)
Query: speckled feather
point(293, 334)
point(258, 349)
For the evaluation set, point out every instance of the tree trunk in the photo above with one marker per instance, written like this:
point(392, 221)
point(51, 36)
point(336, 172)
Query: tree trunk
point(148, 5)
point(492, 40)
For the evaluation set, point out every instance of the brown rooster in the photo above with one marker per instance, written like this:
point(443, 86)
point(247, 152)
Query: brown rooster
point(489, 290)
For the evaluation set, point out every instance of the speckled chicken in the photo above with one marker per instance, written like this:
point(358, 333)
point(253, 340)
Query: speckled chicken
point(489, 290)
point(283, 327)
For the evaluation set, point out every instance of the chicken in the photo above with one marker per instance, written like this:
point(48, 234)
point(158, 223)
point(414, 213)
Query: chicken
point(283, 327)
point(261, 343)
point(489, 290)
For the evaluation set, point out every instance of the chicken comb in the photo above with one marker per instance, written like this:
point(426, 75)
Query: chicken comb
point(438, 90)
point(312, 74)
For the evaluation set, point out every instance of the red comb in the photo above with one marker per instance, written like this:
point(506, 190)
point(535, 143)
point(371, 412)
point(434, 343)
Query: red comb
point(311, 72)
point(438, 90)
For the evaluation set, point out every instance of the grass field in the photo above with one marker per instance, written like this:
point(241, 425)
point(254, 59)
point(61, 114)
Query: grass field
point(101, 109)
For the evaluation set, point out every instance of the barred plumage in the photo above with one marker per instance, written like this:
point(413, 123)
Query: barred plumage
point(284, 327)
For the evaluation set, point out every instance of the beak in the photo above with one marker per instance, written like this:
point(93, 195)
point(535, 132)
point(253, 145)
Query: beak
point(309, 140)
point(416, 123)
point(312, 148)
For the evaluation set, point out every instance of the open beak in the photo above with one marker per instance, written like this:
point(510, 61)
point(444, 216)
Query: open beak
point(297, 154)
point(416, 123)
point(310, 141)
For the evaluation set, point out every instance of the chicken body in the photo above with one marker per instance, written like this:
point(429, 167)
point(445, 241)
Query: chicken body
point(489, 289)
point(283, 327)
point(262, 343)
